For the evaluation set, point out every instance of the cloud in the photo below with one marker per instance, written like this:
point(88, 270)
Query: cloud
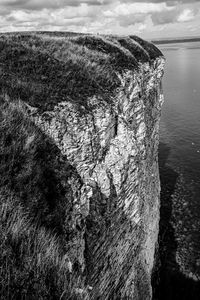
point(176, 15)
point(58, 15)
point(50, 4)
point(128, 14)
point(48, 19)
point(125, 9)
point(103, 16)
point(57, 4)
point(164, 17)
point(168, 2)
point(132, 19)
point(186, 15)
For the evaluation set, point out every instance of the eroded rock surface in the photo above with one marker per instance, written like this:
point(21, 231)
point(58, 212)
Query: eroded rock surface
point(113, 146)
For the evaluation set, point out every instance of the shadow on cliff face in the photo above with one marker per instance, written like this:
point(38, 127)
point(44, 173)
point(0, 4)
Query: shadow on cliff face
point(168, 282)
point(34, 170)
point(38, 188)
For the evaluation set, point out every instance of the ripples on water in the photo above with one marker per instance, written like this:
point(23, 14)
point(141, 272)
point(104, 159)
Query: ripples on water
point(179, 157)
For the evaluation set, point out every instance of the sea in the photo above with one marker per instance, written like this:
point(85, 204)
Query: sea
point(179, 163)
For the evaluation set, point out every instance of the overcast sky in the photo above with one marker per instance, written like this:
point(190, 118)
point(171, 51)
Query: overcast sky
point(148, 19)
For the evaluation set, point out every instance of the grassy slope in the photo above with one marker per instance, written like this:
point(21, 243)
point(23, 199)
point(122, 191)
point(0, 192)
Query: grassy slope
point(34, 197)
point(43, 69)
point(32, 266)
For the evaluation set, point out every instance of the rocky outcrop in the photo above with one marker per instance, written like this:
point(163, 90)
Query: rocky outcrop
point(112, 142)
point(89, 162)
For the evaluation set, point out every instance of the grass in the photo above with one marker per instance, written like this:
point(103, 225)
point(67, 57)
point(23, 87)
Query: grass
point(46, 68)
point(35, 200)
point(31, 265)
point(28, 167)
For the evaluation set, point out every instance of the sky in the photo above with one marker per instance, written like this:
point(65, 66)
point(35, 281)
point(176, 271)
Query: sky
point(148, 19)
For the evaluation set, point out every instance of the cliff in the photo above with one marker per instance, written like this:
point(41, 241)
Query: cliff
point(97, 100)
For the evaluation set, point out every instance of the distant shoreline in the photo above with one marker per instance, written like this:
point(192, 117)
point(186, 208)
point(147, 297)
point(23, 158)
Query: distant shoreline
point(171, 41)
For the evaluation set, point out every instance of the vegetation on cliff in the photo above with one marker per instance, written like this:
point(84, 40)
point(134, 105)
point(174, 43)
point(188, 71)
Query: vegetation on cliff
point(33, 203)
point(44, 69)
point(36, 197)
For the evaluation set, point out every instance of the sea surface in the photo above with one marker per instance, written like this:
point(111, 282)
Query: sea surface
point(180, 122)
point(179, 159)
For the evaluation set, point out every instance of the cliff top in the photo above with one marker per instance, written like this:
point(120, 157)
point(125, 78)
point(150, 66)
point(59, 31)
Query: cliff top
point(44, 68)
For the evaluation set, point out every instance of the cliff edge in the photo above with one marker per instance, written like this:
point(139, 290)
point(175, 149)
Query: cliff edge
point(97, 100)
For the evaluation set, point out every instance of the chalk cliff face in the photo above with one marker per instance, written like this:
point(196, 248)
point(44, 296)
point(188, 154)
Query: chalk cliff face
point(112, 222)
point(106, 159)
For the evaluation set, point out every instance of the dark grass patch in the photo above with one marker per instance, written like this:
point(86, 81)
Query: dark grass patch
point(43, 69)
point(36, 199)
point(151, 49)
point(33, 168)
